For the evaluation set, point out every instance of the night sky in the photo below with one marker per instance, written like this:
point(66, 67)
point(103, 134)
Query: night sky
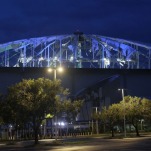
point(126, 19)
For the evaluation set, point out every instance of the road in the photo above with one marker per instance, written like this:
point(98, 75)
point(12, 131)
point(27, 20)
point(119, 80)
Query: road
point(92, 144)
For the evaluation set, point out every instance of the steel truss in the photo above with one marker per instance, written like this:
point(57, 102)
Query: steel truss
point(76, 51)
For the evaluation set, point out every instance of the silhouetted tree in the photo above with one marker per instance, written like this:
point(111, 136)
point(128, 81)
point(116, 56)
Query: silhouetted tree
point(30, 100)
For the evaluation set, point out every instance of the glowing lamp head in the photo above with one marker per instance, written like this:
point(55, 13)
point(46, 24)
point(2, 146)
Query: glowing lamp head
point(60, 69)
point(50, 70)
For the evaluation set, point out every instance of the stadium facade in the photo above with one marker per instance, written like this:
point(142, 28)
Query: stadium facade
point(95, 66)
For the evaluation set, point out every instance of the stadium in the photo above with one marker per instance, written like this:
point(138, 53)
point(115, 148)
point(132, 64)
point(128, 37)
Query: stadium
point(76, 51)
point(95, 66)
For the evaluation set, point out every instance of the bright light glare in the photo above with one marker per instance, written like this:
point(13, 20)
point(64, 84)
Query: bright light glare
point(71, 58)
point(62, 123)
point(55, 58)
point(60, 69)
point(50, 70)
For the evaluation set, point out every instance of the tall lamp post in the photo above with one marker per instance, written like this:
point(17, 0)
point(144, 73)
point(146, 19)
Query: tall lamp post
point(124, 110)
point(97, 128)
point(60, 69)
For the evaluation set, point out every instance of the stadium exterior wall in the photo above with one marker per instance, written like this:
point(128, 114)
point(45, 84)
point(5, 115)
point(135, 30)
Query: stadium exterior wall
point(137, 82)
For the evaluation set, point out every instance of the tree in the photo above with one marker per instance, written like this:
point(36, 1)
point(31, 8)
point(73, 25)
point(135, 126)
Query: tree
point(146, 109)
point(1, 111)
point(134, 108)
point(111, 116)
point(72, 108)
point(134, 111)
point(65, 104)
point(30, 100)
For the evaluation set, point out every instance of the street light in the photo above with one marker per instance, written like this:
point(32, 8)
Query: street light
point(60, 69)
point(124, 110)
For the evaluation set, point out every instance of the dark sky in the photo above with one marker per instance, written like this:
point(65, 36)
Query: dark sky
point(126, 19)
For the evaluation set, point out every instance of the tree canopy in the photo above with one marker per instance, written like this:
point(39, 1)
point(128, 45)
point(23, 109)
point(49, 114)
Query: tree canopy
point(30, 100)
point(133, 108)
point(111, 116)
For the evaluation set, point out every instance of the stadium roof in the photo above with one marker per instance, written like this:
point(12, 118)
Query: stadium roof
point(76, 51)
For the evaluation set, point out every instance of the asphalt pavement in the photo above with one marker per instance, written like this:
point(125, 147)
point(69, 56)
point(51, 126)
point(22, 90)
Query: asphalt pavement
point(83, 144)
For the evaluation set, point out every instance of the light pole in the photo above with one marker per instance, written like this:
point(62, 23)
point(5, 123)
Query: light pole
point(60, 69)
point(97, 128)
point(142, 120)
point(124, 110)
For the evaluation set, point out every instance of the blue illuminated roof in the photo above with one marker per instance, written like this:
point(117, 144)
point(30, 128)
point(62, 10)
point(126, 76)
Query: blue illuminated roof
point(76, 51)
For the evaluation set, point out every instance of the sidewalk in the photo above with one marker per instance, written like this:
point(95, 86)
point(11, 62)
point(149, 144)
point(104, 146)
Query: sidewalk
point(65, 140)
point(25, 142)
